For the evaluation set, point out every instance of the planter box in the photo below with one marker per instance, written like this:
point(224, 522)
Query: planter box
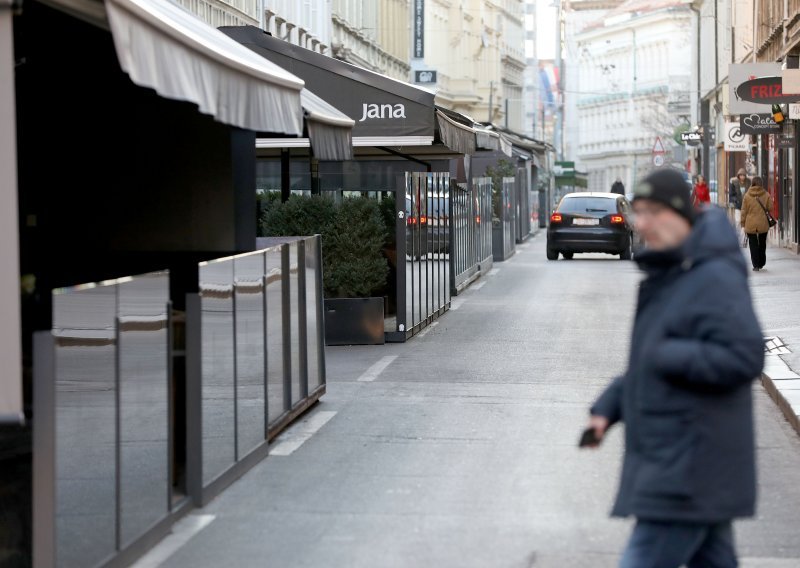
point(354, 321)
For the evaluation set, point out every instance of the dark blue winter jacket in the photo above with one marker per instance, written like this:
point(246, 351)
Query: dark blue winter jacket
point(686, 395)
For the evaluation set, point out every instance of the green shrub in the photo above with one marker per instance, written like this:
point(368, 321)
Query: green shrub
point(353, 235)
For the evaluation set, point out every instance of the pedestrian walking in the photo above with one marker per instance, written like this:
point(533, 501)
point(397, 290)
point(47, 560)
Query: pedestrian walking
point(700, 193)
point(685, 398)
point(618, 187)
point(755, 221)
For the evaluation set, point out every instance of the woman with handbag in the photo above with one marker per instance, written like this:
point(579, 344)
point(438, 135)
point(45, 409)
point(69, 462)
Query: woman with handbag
point(756, 221)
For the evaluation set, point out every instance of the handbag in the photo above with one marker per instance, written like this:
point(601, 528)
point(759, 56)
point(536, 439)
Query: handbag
point(770, 219)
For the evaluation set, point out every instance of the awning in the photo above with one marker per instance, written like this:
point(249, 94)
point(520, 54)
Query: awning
point(490, 140)
point(162, 46)
point(456, 131)
point(329, 130)
point(386, 112)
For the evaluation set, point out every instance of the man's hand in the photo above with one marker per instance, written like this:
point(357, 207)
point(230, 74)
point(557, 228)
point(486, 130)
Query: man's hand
point(599, 424)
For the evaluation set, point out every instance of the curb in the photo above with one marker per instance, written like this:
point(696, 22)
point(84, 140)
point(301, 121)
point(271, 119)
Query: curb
point(783, 385)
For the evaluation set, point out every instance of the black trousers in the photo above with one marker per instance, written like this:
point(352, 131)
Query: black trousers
point(758, 249)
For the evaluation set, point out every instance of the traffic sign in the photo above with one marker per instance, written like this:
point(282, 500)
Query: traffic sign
point(658, 160)
point(658, 147)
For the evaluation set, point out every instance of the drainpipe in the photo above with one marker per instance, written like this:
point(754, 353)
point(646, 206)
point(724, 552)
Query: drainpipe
point(10, 318)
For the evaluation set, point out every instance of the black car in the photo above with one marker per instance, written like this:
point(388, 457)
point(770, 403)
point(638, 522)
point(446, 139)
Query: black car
point(591, 222)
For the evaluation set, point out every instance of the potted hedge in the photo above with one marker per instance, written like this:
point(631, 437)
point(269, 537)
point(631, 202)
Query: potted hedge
point(354, 267)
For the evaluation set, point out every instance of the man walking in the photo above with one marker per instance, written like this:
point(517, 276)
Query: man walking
point(685, 398)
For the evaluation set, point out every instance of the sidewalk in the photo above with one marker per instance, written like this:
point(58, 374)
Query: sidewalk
point(776, 292)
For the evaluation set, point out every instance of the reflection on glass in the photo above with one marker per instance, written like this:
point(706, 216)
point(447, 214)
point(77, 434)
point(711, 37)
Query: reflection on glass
point(294, 326)
point(250, 394)
point(85, 385)
point(312, 323)
point(275, 374)
point(216, 301)
point(143, 397)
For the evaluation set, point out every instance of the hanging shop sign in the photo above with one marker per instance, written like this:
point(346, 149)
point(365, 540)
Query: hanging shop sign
point(765, 91)
point(735, 140)
point(427, 77)
point(786, 141)
point(758, 124)
point(419, 29)
point(739, 73)
point(692, 138)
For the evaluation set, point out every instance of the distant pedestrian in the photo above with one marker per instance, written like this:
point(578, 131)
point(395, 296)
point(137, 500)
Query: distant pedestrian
point(736, 189)
point(689, 464)
point(755, 222)
point(618, 187)
point(700, 193)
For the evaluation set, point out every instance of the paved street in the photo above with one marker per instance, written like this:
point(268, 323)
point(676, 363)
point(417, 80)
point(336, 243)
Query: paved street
point(458, 449)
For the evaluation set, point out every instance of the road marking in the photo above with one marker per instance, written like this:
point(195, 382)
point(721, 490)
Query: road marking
point(455, 304)
point(372, 373)
point(479, 285)
point(493, 271)
point(182, 532)
point(300, 433)
point(427, 330)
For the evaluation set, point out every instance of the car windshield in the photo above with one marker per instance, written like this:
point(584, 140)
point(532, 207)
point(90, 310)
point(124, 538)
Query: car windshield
point(603, 205)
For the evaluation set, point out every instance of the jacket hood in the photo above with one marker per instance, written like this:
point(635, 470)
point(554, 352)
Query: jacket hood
point(756, 191)
point(712, 236)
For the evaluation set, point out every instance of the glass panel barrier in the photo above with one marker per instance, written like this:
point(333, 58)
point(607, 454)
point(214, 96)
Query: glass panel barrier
point(217, 331)
point(249, 273)
point(313, 324)
point(84, 321)
point(294, 326)
point(143, 403)
point(276, 389)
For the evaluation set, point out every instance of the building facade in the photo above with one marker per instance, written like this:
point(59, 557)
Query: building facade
point(768, 32)
point(373, 34)
point(477, 48)
point(632, 86)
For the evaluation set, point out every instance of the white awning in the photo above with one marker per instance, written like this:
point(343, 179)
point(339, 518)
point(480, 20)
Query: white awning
point(163, 46)
point(329, 129)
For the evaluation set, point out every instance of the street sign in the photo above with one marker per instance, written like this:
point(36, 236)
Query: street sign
point(658, 147)
point(735, 141)
point(658, 160)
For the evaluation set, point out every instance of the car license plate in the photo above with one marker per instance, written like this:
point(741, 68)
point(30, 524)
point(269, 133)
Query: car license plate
point(586, 221)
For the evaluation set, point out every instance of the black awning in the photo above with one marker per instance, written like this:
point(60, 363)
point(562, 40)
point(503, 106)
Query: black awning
point(386, 112)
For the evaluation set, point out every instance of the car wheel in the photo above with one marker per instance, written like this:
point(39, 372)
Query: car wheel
point(552, 254)
point(627, 253)
point(567, 255)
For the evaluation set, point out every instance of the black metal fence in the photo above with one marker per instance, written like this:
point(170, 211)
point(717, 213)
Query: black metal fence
point(423, 257)
point(504, 224)
point(471, 232)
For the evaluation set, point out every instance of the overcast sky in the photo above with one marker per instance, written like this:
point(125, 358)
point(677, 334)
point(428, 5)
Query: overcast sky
point(546, 29)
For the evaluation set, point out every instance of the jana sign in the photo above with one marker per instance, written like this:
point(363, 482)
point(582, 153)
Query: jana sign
point(735, 141)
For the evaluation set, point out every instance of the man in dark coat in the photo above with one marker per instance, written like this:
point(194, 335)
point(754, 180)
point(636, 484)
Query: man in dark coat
point(618, 187)
point(689, 466)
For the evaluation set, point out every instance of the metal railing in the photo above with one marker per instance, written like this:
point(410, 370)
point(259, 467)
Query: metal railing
point(255, 351)
point(423, 240)
point(107, 402)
